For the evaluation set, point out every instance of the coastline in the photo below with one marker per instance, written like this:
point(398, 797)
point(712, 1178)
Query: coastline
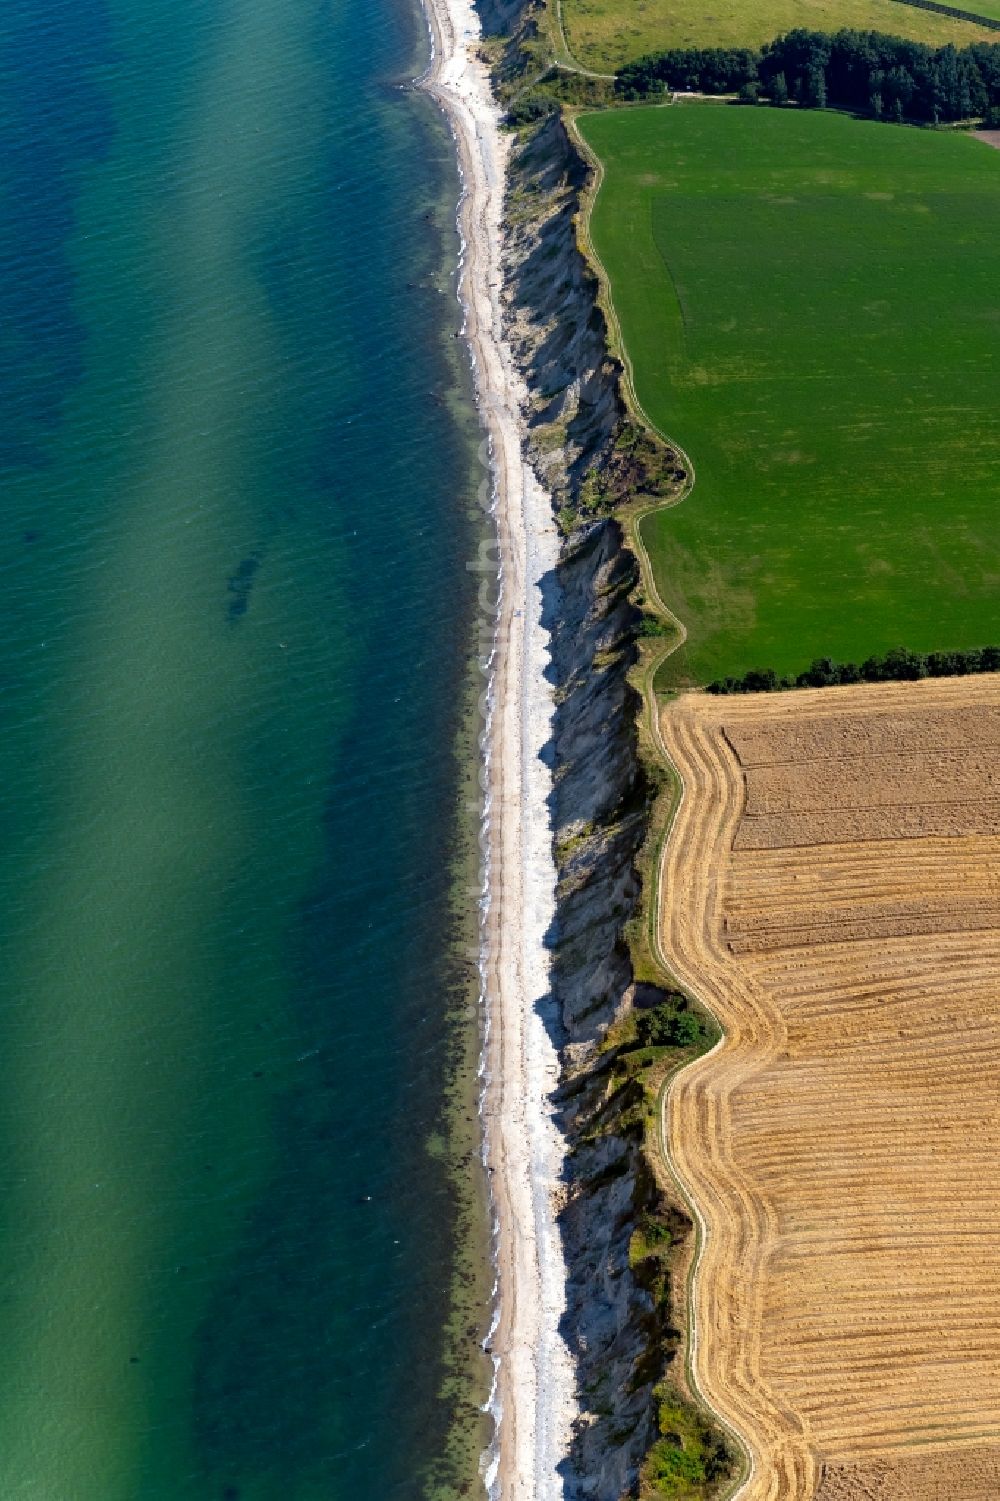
point(533, 1403)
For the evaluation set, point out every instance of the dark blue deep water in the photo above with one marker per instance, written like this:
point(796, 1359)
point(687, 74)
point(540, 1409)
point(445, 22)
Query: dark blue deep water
point(236, 476)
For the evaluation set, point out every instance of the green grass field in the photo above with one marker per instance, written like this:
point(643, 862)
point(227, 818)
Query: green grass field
point(811, 305)
point(603, 34)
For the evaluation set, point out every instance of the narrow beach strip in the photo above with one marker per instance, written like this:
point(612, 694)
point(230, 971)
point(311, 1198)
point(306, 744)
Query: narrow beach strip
point(534, 1399)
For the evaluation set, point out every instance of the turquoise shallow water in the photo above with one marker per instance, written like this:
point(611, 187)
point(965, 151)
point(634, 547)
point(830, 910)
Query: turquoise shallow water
point(232, 540)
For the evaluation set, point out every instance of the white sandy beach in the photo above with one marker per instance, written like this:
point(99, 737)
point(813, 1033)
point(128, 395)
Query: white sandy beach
point(534, 1398)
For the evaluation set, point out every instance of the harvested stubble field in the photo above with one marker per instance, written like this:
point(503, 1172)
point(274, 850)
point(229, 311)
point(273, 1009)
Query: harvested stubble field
point(833, 892)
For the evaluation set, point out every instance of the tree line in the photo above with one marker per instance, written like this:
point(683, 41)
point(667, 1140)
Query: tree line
point(898, 665)
point(865, 71)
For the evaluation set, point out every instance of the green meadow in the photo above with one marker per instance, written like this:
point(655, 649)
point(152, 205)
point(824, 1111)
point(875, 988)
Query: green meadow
point(811, 307)
point(603, 34)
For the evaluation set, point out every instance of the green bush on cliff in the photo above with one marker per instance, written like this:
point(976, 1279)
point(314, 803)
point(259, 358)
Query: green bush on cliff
point(687, 1460)
point(671, 1024)
point(655, 625)
point(531, 107)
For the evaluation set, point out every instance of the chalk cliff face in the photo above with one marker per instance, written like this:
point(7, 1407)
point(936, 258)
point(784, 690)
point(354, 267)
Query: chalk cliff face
point(600, 797)
point(555, 326)
point(598, 803)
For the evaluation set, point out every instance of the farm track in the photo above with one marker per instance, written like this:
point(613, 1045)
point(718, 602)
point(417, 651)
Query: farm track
point(841, 1147)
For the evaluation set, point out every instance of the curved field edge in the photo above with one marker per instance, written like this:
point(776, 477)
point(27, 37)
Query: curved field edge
point(707, 814)
point(645, 939)
point(650, 960)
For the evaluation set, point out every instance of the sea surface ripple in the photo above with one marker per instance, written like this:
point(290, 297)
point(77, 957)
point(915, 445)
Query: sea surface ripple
point(235, 521)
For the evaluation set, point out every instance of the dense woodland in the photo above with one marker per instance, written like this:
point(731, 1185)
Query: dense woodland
point(866, 71)
point(898, 665)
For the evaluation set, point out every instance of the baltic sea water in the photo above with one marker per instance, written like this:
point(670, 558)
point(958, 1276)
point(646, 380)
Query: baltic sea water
point(236, 465)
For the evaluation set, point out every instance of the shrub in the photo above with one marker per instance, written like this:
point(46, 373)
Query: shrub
point(531, 107)
point(670, 1025)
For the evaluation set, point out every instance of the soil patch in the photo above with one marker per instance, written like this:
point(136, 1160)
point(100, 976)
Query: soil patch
point(930, 1477)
